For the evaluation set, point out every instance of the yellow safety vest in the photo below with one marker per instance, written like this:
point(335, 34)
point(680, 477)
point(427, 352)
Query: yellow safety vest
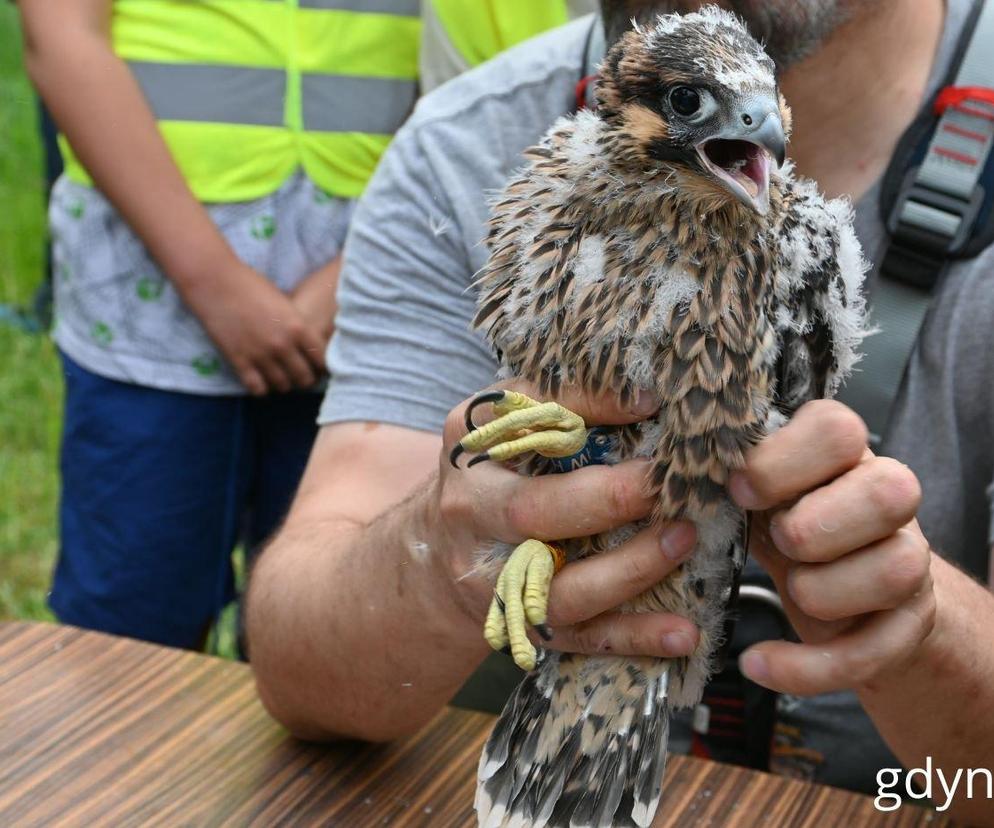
point(481, 29)
point(248, 91)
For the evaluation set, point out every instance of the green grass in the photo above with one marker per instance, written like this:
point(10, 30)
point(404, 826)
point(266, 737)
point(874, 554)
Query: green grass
point(30, 388)
point(21, 177)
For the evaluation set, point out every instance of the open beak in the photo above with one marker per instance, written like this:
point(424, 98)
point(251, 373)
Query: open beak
point(741, 157)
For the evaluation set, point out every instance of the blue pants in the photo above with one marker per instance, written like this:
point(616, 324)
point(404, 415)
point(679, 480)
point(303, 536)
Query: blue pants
point(157, 489)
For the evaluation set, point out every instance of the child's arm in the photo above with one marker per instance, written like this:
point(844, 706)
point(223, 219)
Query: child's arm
point(101, 109)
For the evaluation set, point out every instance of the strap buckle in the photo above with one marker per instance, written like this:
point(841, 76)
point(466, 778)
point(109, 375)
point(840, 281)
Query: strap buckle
point(938, 203)
point(936, 222)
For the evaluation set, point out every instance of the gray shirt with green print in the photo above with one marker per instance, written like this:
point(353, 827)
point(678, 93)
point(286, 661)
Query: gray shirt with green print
point(117, 314)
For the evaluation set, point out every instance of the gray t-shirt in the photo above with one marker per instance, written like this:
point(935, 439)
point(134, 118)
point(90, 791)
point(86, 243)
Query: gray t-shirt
point(404, 353)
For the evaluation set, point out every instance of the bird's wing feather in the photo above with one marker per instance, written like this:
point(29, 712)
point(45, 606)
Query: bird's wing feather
point(572, 282)
point(529, 221)
point(535, 232)
point(820, 310)
point(581, 744)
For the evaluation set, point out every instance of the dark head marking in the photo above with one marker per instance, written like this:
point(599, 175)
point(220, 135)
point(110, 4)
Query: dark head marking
point(695, 94)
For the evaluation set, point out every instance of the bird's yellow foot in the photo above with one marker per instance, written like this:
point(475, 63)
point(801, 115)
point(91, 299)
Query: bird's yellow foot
point(521, 597)
point(522, 425)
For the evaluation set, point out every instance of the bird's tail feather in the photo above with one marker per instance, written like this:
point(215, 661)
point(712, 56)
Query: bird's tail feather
point(582, 742)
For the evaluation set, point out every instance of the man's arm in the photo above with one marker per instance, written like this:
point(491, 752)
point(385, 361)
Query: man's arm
point(100, 107)
point(364, 614)
point(876, 610)
point(939, 703)
point(323, 599)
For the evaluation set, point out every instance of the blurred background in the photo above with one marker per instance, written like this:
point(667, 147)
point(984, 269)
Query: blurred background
point(30, 390)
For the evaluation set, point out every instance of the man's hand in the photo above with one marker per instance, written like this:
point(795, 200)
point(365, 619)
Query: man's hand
point(364, 616)
point(840, 540)
point(265, 337)
point(489, 502)
point(314, 298)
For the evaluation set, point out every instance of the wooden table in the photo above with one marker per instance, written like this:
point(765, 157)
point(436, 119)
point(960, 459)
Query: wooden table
point(98, 730)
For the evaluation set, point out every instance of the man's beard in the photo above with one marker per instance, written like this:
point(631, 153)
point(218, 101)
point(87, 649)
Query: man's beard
point(789, 29)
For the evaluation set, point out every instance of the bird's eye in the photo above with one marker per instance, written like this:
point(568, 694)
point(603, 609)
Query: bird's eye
point(685, 101)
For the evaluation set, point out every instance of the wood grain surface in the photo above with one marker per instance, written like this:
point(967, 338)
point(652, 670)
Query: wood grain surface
point(97, 730)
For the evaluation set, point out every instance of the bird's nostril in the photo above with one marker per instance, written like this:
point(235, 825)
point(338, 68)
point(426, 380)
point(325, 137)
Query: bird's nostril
point(747, 119)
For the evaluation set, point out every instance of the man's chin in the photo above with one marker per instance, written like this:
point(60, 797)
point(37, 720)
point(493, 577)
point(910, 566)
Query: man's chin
point(791, 30)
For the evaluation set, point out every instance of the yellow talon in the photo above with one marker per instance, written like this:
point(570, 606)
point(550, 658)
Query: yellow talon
point(513, 401)
point(522, 425)
point(522, 598)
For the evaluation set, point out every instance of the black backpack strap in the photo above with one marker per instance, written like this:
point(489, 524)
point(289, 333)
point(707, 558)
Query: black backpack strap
point(938, 206)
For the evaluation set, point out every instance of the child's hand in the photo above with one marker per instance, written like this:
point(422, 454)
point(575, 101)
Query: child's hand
point(267, 340)
point(314, 298)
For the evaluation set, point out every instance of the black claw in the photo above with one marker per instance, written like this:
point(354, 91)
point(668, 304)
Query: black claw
point(481, 399)
point(499, 600)
point(454, 455)
point(480, 458)
point(543, 631)
point(506, 650)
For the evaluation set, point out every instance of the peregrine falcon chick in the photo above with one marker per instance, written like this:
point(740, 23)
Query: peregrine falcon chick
point(660, 242)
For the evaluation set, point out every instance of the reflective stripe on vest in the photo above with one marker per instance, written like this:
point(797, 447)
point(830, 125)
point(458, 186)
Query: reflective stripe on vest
point(246, 91)
point(236, 95)
point(403, 7)
point(482, 29)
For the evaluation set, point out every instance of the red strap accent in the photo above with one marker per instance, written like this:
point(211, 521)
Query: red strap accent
point(581, 91)
point(726, 701)
point(962, 157)
point(953, 96)
point(727, 718)
point(698, 747)
point(979, 137)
